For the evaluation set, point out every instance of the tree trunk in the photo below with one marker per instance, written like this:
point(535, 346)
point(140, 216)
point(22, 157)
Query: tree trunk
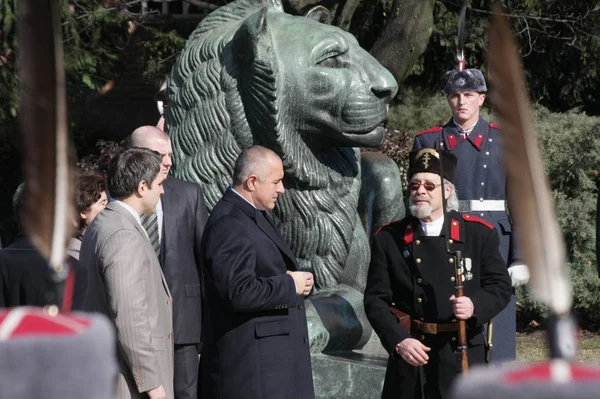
point(405, 36)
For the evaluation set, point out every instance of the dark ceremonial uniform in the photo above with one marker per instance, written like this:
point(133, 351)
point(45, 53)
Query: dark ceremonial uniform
point(481, 189)
point(413, 273)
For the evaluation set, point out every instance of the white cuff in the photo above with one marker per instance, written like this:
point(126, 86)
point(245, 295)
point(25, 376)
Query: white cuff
point(519, 274)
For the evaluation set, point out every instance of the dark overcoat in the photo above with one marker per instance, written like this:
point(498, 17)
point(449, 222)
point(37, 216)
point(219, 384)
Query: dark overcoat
point(414, 273)
point(480, 175)
point(256, 337)
point(26, 280)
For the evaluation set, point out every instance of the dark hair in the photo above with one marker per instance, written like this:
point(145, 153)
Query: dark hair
point(129, 168)
point(90, 186)
point(250, 162)
point(18, 203)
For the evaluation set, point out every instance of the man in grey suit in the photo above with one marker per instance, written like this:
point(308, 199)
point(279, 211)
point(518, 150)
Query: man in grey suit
point(125, 280)
point(178, 222)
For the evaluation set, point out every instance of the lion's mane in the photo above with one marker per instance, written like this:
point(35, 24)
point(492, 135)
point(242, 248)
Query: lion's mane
point(220, 104)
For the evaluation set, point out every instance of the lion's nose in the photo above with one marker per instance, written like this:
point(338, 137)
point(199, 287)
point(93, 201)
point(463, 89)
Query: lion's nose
point(384, 93)
point(385, 86)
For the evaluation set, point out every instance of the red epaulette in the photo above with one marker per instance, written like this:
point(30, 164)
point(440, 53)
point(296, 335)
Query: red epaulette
point(432, 130)
point(494, 126)
point(471, 218)
point(386, 225)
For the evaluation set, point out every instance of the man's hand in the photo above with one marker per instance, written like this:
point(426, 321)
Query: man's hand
point(304, 282)
point(157, 393)
point(310, 281)
point(519, 274)
point(462, 307)
point(413, 352)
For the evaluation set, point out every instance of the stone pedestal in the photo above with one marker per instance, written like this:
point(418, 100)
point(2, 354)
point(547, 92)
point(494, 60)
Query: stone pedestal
point(355, 374)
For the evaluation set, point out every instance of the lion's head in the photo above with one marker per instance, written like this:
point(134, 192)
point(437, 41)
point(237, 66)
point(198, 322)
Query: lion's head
point(252, 74)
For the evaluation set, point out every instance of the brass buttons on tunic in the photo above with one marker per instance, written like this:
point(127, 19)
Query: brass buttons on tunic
point(418, 260)
point(417, 242)
point(422, 337)
point(450, 241)
point(453, 339)
point(419, 280)
point(452, 279)
point(419, 300)
point(451, 260)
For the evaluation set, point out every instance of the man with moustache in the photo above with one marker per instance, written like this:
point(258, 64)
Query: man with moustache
point(411, 272)
point(175, 230)
point(480, 182)
point(256, 337)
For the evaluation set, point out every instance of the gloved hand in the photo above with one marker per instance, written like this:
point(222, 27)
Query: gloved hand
point(519, 274)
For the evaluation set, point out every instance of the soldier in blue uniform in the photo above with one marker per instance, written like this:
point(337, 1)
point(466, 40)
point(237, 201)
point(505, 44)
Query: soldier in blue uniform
point(480, 182)
point(411, 272)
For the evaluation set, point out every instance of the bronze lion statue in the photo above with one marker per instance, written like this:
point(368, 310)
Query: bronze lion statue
point(252, 74)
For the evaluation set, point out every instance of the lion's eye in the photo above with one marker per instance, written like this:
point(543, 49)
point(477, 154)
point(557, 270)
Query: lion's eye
point(329, 60)
point(329, 53)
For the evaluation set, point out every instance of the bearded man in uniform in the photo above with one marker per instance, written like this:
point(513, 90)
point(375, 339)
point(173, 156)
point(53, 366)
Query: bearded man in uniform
point(412, 273)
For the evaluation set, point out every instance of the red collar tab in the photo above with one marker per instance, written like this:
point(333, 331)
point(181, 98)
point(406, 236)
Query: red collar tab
point(451, 141)
point(24, 322)
point(455, 230)
point(408, 234)
point(494, 126)
point(471, 218)
point(432, 130)
point(477, 140)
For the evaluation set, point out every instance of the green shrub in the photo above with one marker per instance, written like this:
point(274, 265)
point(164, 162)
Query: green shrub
point(570, 146)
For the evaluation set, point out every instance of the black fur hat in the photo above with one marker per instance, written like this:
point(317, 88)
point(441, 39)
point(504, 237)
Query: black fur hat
point(428, 160)
point(467, 80)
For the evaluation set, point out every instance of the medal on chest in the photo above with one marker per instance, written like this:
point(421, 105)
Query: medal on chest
point(466, 269)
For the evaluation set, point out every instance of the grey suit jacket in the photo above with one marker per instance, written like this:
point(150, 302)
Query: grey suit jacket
point(127, 285)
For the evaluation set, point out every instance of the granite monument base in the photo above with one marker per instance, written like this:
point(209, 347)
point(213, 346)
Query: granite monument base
point(354, 374)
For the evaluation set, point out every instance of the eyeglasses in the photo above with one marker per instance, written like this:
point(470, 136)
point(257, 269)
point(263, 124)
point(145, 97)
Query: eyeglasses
point(429, 186)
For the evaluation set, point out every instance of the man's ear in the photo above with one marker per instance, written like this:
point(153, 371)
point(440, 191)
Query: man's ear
point(84, 214)
point(448, 190)
point(251, 182)
point(142, 187)
point(481, 99)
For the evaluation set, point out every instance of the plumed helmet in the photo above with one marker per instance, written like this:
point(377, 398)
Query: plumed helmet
point(465, 80)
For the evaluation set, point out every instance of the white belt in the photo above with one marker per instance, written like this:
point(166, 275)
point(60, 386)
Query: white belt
point(481, 205)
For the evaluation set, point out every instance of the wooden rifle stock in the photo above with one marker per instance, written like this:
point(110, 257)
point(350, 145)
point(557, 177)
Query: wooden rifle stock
point(461, 350)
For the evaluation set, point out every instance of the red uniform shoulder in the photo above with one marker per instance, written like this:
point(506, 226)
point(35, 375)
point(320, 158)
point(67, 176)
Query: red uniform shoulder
point(432, 130)
point(471, 218)
point(387, 225)
point(494, 126)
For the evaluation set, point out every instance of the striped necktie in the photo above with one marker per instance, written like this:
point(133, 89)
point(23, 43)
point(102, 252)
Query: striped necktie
point(150, 224)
